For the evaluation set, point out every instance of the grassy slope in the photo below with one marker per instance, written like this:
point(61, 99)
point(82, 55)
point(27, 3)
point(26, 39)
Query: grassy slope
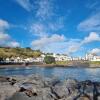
point(21, 52)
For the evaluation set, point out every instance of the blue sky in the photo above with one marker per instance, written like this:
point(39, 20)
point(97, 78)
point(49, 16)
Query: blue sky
point(59, 26)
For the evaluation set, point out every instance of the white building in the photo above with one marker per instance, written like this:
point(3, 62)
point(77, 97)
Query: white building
point(7, 60)
point(96, 58)
point(60, 57)
point(92, 57)
point(75, 58)
point(39, 59)
point(89, 56)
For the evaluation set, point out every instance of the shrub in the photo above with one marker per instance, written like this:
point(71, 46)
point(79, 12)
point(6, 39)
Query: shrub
point(49, 60)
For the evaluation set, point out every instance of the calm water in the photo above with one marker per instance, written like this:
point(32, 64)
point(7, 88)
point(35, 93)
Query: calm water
point(62, 73)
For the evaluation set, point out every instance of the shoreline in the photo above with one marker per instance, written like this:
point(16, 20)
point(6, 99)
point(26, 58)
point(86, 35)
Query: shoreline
point(50, 65)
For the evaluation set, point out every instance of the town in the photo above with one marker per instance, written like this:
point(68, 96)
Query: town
point(27, 55)
point(58, 57)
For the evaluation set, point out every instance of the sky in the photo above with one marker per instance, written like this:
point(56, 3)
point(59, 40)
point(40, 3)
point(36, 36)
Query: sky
point(59, 26)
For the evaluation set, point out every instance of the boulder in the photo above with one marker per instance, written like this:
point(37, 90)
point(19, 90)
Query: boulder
point(6, 90)
point(60, 91)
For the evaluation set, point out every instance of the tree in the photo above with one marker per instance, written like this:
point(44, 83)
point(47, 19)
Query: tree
point(49, 59)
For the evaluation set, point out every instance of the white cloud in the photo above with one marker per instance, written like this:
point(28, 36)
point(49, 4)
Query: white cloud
point(95, 51)
point(5, 38)
point(45, 41)
point(77, 45)
point(90, 24)
point(60, 43)
point(73, 47)
point(92, 5)
point(26, 4)
point(3, 25)
point(13, 44)
point(38, 29)
point(45, 9)
point(45, 29)
point(57, 24)
point(93, 36)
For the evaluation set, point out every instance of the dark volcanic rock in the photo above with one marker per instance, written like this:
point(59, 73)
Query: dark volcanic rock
point(36, 87)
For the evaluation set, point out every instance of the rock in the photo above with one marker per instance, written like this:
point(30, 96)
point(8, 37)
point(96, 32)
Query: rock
point(98, 98)
point(36, 87)
point(47, 95)
point(6, 91)
point(83, 98)
point(51, 82)
point(19, 96)
point(71, 85)
point(4, 79)
point(60, 91)
point(70, 82)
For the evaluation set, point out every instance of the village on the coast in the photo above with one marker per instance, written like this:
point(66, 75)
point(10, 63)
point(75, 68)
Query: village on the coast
point(58, 57)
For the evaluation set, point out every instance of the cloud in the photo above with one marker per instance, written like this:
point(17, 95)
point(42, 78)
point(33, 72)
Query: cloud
point(60, 43)
point(3, 25)
point(13, 44)
point(57, 24)
point(73, 48)
point(77, 45)
point(5, 38)
point(41, 29)
point(26, 4)
point(38, 29)
point(92, 5)
point(93, 36)
point(56, 43)
point(45, 41)
point(90, 24)
point(45, 9)
point(95, 51)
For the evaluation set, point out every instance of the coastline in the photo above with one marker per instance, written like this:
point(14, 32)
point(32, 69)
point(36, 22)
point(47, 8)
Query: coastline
point(51, 65)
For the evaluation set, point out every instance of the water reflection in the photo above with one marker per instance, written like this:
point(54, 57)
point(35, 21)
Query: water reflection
point(62, 73)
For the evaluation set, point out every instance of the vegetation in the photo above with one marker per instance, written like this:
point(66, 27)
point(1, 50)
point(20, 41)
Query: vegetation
point(18, 52)
point(95, 62)
point(49, 60)
point(62, 62)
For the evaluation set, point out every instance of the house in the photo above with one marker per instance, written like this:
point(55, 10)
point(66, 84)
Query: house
point(7, 60)
point(39, 59)
point(89, 56)
point(28, 60)
point(92, 57)
point(96, 58)
point(60, 57)
point(75, 58)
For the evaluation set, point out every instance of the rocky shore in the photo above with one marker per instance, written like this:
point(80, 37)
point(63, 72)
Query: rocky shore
point(35, 87)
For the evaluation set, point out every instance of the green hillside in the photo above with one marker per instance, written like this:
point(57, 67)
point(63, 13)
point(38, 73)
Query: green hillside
point(18, 52)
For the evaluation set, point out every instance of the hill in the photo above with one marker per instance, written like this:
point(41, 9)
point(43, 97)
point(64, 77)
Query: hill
point(18, 52)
